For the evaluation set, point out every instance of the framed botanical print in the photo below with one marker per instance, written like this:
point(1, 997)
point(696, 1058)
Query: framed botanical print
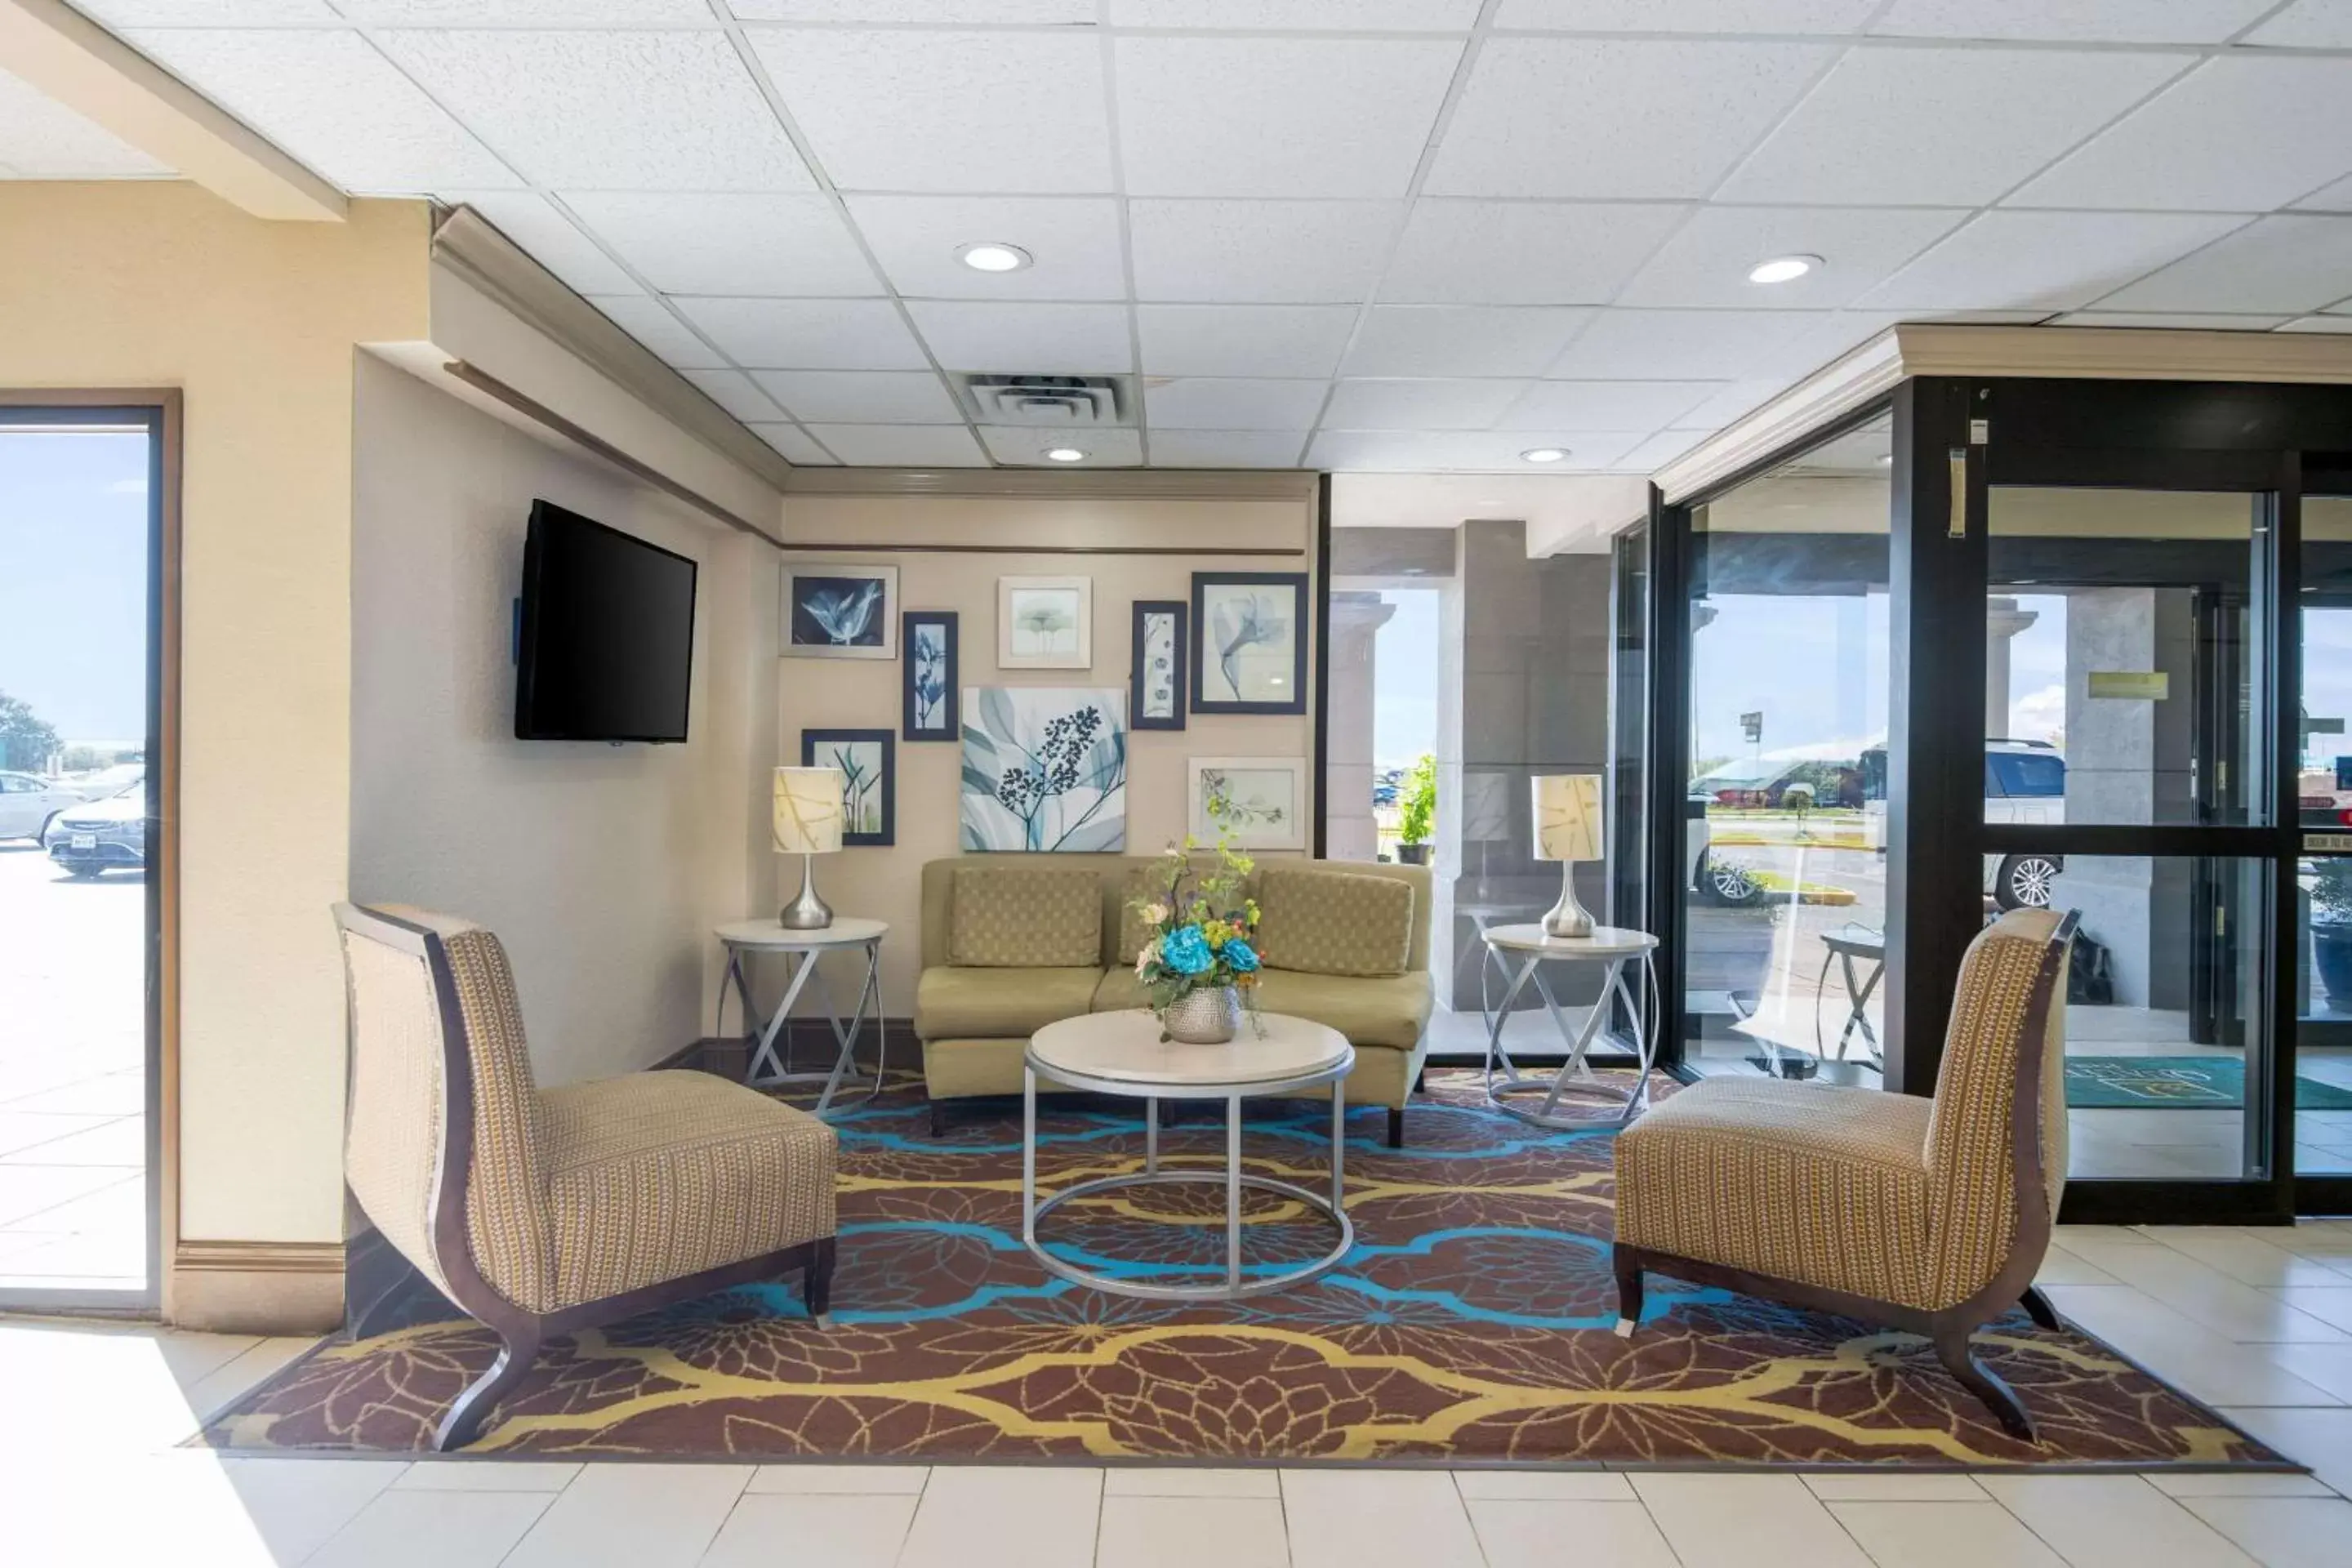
point(835, 610)
point(933, 706)
point(869, 760)
point(1045, 770)
point(1259, 802)
point(1249, 642)
point(1155, 689)
point(1044, 623)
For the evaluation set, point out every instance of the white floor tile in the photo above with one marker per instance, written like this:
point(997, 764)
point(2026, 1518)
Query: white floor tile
point(439, 1530)
point(255, 1364)
point(2112, 1521)
point(1549, 1486)
point(439, 1475)
point(296, 1504)
point(2204, 1364)
point(2330, 1303)
point(2060, 1266)
point(2319, 1438)
point(1746, 1521)
point(2205, 1295)
point(2249, 1256)
point(2322, 1366)
point(1943, 1535)
point(903, 1480)
point(1371, 1518)
point(1892, 1486)
point(633, 1515)
point(2283, 1532)
point(834, 1531)
point(1546, 1534)
point(2236, 1483)
point(1190, 1531)
point(992, 1516)
point(1189, 1480)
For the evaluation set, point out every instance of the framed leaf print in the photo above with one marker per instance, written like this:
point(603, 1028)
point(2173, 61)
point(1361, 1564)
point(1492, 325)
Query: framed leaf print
point(869, 760)
point(1155, 694)
point(934, 703)
point(1249, 642)
point(835, 610)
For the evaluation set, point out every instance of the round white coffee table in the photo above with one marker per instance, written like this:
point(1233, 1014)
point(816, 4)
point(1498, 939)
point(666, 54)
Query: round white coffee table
point(801, 951)
point(1122, 1054)
point(1611, 946)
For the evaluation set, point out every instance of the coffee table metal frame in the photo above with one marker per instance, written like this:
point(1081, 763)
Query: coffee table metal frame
point(801, 950)
point(1609, 946)
point(1234, 1287)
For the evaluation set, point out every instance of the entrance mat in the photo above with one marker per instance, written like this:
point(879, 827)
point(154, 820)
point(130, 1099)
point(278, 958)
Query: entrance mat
point(1471, 1325)
point(2179, 1083)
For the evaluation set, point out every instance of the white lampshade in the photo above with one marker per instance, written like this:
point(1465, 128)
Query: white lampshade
point(1568, 817)
point(809, 810)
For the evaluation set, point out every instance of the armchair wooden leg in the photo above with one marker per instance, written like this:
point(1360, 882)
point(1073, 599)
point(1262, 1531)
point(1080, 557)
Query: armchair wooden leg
point(1953, 1349)
point(2038, 1307)
point(938, 1119)
point(1396, 1127)
point(517, 1349)
point(816, 1280)
point(1629, 1292)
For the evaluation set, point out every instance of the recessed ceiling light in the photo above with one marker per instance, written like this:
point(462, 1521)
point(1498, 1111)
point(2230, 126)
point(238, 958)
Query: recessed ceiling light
point(1782, 269)
point(1064, 454)
point(993, 256)
point(1544, 453)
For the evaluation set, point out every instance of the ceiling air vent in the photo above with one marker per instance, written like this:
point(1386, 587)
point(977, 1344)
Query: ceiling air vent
point(1051, 401)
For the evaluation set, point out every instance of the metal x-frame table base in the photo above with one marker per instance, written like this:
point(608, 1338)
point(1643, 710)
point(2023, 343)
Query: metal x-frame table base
point(1573, 1077)
point(772, 1070)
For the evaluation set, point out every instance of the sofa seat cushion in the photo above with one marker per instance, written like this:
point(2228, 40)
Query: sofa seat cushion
point(658, 1175)
point(1817, 1184)
point(1318, 922)
point(956, 1003)
point(1024, 917)
point(1391, 1012)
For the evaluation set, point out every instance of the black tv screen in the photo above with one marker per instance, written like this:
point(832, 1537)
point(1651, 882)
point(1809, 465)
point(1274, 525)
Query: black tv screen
point(606, 643)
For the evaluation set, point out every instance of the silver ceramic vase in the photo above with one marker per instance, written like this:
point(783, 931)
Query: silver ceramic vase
point(1206, 1015)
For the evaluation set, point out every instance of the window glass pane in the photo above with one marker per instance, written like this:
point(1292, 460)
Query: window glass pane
point(2323, 968)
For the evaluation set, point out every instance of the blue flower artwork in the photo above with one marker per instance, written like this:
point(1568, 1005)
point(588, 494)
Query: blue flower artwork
point(841, 612)
point(1045, 770)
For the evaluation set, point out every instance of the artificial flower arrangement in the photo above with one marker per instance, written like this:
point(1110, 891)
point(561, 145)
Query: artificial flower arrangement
point(1200, 964)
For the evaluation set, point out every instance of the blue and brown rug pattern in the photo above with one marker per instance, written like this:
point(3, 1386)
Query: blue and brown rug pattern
point(1471, 1323)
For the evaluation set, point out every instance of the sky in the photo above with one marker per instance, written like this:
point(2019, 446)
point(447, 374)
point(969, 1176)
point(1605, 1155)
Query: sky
point(1815, 665)
point(1404, 679)
point(73, 580)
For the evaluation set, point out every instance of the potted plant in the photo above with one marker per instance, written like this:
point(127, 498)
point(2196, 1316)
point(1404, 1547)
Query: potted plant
point(2331, 928)
point(1201, 966)
point(1417, 811)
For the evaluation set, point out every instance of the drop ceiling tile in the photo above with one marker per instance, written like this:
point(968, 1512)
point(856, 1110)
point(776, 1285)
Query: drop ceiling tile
point(554, 241)
point(1299, 15)
point(722, 243)
point(1660, 449)
point(650, 322)
point(861, 396)
point(1688, 15)
point(1524, 253)
point(1461, 340)
point(1024, 448)
point(2051, 261)
point(923, 111)
point(794, 444)
point(1244, 340)
point(41, 138)
point(1055, 339)
point(2169, 321)
point(2075, 21)
point(1736, 400)
point(2307, 24)
point(1677, 345)
point(1883, 126)
point(932, 13)
point(1428, 405)
point(118, 15)
point(1636, 405)
point(902, 446)
point(332, 101)
point(1706, 261)
point(1584, 117)
point(1368, 451)
point(1259, 252)
point(1229, 403)
point(530, 13)
point(610, 110)
point(2237, 134)
point(1074, 240)
point(733, 390)
point(2285, 265)
point(1278, 117)
point(808, 334)
point(1228, 449)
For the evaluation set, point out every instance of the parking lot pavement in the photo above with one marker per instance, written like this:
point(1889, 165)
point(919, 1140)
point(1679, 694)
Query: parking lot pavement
point(72, 1076)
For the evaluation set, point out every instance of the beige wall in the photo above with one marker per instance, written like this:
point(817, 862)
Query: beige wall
point(601, 868)
point(814, 693)
point(160, 284)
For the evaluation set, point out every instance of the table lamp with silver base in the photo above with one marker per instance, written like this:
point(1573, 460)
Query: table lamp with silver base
point(1568, 829)
point(807, 820)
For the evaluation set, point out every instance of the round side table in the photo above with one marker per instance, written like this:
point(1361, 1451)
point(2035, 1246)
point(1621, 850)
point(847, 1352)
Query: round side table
point(801, 949)
point(1122, 1054)
point(1611, 946)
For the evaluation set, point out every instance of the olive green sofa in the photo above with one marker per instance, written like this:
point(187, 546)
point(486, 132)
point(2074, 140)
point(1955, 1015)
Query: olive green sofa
point(974, 1018)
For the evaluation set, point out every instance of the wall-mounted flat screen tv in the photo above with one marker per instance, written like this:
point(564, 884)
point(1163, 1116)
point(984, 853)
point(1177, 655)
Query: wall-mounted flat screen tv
point(606, 647)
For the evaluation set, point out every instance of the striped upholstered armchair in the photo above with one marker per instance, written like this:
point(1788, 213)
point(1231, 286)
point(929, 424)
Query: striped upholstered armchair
point(544, 1212)
point(1930, 1215)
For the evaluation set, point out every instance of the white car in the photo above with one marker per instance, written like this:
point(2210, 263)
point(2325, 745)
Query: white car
point(106, 781)
point(28, 801)
point(2025, 781)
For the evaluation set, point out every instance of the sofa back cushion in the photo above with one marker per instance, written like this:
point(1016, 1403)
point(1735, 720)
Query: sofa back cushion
point(1026, 917)
point(1321, 921)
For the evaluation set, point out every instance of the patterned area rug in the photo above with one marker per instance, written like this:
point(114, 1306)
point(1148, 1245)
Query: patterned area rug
point(1471, 1323)
point(2179, 1083)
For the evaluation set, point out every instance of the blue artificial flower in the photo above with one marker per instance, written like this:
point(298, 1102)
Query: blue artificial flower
point(1240, 956)
point(1185, 951)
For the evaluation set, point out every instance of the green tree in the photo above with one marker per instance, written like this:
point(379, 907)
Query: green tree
point(26, 740)
point(1417, 813)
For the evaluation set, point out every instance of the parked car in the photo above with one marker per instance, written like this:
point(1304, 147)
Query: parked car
point(2025, 781)
point(28, 802)
point(1711, 880)
point(105, 782)
point(96, 837)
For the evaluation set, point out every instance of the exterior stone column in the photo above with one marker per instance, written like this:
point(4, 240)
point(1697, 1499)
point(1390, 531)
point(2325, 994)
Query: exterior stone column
point(1349, 831)
point(2003, 620)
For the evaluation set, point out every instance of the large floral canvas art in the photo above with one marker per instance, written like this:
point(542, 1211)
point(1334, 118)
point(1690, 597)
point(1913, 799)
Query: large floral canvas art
point(833, 610)
point(1044, 769)
point(1249, 642)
